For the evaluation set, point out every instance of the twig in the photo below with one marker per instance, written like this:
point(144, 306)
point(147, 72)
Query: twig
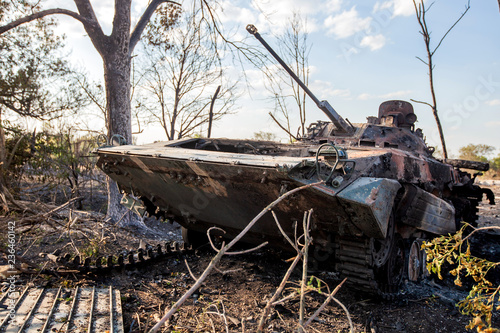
point(282, 320)
point(480, 229)
point(212, 323)
point(224, 316)
point(421, 102)
point(346, 313)
point(305, 250)
point(147, 323)
point(249, 250)
point(61, 206)
point(219, 255)
point(29, 247)
point(228, 271)
point(282, 127)
point(454, 24)
point(46, 214)
point(325, 303)
point(283, 232)
point(138, 321)
point(189, 270)
point(210, 238)
point(278, 292)
point(232, 253)
point(286, 298)
point(39, 272)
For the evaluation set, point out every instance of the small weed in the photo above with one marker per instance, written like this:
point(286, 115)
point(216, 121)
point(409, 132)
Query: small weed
point(66, 284)
point(483, 298)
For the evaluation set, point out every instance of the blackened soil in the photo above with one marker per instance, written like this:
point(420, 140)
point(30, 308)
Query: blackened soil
point(234, 296)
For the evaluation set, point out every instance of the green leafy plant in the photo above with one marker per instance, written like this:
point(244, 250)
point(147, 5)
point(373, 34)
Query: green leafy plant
point(92, 249)
point(484, 296)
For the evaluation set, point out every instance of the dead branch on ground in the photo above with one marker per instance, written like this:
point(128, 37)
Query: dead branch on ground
point(225, 248)
point(302, 253)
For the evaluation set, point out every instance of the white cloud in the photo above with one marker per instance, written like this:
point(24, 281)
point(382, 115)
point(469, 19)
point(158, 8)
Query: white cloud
point(398, 7)
point(374, 42)
point(333, 6)
point(365, 96)
point(274, 15)
point(346, 23)
point(493, 102)
point(234, 13)
point(388, 96)
point(324, 90)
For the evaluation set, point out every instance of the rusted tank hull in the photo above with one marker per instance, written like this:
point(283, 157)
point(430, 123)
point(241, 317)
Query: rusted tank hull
point(201, 189)
point(199, 195)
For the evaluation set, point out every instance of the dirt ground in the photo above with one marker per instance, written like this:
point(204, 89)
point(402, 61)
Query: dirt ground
point(233, 298)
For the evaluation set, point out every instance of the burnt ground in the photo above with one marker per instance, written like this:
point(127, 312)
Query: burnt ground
point(233, 298)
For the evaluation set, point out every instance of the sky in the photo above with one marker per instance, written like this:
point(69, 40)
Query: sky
point(362, 53)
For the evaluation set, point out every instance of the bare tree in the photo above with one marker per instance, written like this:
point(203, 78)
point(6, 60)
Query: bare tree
point(181, 75)
point(421, 11)
point(32, 69)
point(116, 52)
point(295, 51)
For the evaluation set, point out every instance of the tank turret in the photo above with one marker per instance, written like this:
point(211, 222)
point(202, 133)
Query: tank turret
point(397, 114)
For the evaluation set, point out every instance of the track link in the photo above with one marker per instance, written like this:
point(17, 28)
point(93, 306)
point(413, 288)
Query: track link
point(354, 260)
point(91, 310)
point(125, 260)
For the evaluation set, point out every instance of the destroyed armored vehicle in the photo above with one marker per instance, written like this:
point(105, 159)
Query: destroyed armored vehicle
point(383, 192)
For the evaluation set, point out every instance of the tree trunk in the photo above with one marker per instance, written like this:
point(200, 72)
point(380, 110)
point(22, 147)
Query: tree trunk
point(117, 66)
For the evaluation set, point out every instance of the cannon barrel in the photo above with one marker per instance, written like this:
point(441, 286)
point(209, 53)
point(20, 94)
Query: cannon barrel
point(339, 122)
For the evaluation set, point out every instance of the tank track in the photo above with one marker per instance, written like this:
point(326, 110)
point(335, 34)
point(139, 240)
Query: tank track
point(354, 261)
point(126, 260)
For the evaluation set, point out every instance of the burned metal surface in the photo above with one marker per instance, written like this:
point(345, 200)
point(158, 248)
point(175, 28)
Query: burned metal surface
point(382, 189)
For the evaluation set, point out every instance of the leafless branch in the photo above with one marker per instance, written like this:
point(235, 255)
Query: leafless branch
point(42, 14)
point(281, 126)
point(189, 270)
point(346, 312)
point(420, 12)
point(454, 24)
point(325, 303)
point(423, 61)
point(481, 229)
point(283, 232)
point(231, 253)
point(421, 102)
point(306, 223)
point(135, 36)
point(224, 249)
point(278, 292)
